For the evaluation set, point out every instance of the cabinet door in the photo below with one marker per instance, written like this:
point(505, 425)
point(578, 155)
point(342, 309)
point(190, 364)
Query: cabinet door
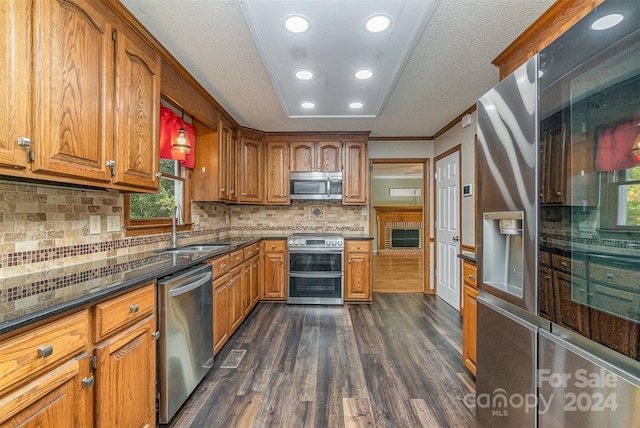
point(236, 313)
point(358, 277)
point(138, 104)
point(555, 160)
point(274, 276)
point(354, 185)
point(246, 287)
point(329, 156)
point(205, 177)
point(61, 397)
point(251, 170)
point(126, 377)
point(568, 313)
point(232, 179)
point(469, 315)
point(225, 170)
point(302, 156)
point(74, 85)
point(255, 280)
point(277, 172)
point(221, 315)
point(15, 67)
point(546, 294)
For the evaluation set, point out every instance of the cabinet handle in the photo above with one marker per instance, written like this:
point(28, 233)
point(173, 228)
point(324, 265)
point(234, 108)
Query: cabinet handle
point(222, 190)
point(472, 277)
point(284, 194)
point(563, 264)
point(243, 194)
point(87, 382)
point(133, 309)
point(273, 247)
point(155, 335)
point(45, 351)
point(559, 193)
point(233, 192)
point(224, 265)
point(158, 174)
point(111, 164)
point(610, 276)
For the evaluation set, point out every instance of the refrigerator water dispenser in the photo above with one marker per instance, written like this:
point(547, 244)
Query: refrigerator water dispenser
point(503, 251)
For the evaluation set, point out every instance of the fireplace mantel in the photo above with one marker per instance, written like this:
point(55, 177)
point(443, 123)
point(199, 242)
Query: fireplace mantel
point(393, 215)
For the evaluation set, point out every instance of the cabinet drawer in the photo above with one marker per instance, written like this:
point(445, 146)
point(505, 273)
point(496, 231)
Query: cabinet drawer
point(358, 246)
point(470, 274)
point(29, 352)
point(545, 258)
point(220, 265)
point(256, 248)
point(249, 252)
point(120, 311)
point(614, 276)
point(274, 246)
point(572, 266)
point(236, 258)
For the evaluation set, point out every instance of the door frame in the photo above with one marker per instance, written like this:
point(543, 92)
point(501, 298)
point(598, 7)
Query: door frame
point(457, 148)
point(426, 212)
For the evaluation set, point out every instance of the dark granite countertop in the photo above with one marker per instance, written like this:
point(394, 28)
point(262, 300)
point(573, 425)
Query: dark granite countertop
point(468, 256)
point(40, 295)
point(358, 237)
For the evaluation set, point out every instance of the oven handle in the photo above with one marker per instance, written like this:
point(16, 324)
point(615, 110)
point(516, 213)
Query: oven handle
point(316, 250)
point(316, 274)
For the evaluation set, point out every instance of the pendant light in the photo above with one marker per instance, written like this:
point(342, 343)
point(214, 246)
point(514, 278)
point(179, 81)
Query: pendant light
point(182, 143)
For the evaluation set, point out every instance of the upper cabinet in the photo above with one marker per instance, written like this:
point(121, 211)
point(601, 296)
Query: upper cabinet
point(138, 110)
point(251, 164)
point(277, 189)
point(355, 180)
point(15, 108)
point(94, 94)
point(74, 89)
point(315, 156)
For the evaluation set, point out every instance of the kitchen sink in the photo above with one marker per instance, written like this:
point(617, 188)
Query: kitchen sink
point(193, 249)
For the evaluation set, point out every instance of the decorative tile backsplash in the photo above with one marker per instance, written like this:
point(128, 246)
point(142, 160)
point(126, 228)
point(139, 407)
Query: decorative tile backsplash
point(44, 228)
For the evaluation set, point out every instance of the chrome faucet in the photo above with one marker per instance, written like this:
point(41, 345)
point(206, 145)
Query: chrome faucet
point(174, 223)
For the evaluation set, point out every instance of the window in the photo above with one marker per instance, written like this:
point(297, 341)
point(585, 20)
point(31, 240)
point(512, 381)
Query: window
point(151, 212)
point(621, 199)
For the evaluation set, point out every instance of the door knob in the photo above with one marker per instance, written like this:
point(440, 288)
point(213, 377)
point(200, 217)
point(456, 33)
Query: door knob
point(456, 238)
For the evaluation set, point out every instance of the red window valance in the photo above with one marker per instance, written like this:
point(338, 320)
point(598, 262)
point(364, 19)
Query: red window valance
point(169, 128)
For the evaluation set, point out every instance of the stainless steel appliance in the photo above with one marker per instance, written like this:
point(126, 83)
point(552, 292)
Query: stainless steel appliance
point(316, 185)
point(185, 348)
point(558, 306)
point(315, 269)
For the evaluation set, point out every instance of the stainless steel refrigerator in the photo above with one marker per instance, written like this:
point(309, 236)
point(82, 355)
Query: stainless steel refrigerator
point(558, 244)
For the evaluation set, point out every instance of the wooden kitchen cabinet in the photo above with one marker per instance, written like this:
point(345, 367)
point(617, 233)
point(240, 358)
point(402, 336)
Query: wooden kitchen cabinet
point(469, 315)
point(125, 372)
point(568, 273)
point(273, 281)
point(61, 397)
point(315, 156)
point(251, 167)
point(125, 392)
point(357, 286)
point(277, 188)
point(236, 307)
point(221, 309)
point(226, 162)
point(15, 106)
point(83, 107)
point(355, 178)
point(44, 374)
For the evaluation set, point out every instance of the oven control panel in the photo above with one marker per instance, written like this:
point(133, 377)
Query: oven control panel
point(319, 242)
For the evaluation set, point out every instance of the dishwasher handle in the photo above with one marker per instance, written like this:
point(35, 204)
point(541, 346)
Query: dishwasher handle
point(192, 284)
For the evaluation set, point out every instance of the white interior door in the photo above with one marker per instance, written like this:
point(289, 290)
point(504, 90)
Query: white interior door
point(447, 229)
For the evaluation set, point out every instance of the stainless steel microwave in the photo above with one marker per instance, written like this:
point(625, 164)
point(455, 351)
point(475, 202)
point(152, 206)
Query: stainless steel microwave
point(316, 186)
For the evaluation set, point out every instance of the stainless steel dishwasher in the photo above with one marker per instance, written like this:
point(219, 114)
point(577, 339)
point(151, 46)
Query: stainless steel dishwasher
point(185, 348)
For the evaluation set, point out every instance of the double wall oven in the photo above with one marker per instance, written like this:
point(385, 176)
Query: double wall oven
point(315, 269)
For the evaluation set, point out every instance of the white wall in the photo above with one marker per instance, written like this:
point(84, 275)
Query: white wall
point(465, 137)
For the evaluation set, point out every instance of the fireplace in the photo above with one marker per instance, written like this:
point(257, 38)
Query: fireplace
point(405, 238)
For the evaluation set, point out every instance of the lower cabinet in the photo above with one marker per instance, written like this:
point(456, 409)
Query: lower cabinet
point(469, 315)
point(59, 397)
point(236, 308)
point(125, 377)
point(220, 312)
point(273, 282)
point(358, 267)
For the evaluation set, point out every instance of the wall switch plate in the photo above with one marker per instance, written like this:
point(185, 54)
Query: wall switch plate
point(113, 223)
point(94, 225)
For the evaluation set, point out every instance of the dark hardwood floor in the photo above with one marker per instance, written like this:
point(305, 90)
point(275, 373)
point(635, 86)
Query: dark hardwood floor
point(394, 363)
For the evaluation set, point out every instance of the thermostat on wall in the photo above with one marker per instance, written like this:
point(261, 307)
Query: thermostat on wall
point(467, 190)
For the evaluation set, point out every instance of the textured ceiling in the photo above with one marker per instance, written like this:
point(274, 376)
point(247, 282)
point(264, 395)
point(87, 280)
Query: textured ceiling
point(449, 70)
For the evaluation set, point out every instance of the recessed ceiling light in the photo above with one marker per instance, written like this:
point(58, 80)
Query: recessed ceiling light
point(363, 74)
point(307, 105)
point(296, 24)
point(356, 105)
point(304, 74)
point(377, 23)
point(607, 21)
